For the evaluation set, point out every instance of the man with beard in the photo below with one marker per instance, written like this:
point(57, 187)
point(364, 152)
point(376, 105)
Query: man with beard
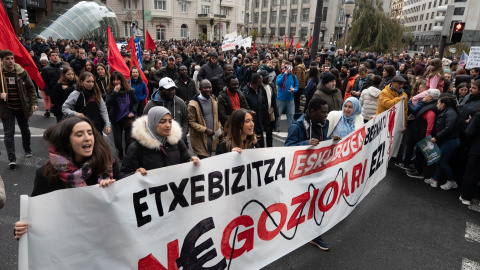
point(327, 91)
point(230, 99)
point(203, 120)
point(147, 62)
point(247, 75)
point(170, 71)
point(186, 89)
point(219, 82)
point(165, 96)
point(210, 70)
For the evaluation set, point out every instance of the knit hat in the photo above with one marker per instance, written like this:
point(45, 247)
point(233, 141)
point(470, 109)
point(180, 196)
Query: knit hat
point(328, 77)
point(43, 57)
point(380, 60)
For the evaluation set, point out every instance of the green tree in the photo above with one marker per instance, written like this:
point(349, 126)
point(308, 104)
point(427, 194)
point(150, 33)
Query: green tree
point(254, 34)
point(374, 30)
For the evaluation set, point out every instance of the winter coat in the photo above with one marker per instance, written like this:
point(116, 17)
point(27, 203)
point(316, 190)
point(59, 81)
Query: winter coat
point(42, 186)
point(26, 91)
point(388, 98)
point(195, 77)
point(366, 84)
point(257, 101)
point(218, 83)
point(446, 125)
point(50, 75)
point(208, 71)
point(348, 90)
point(333, 97)
point(334, 117)
point(59, 95)
point(148, 65)
point(386, 81)
point(76, 101)
point(185, 91)
point(162, 73)
point(467, 108)
point(112, 104)
point(473, 134)
point(225, 105)
point(299, 71)
point(419, 69)
point(369, 101)
point(78, 65)
point(298, 134)
point(420, 125)
point(140, 89)
point(177, 108)
point(283, 86)
point(196, 120)
point(145, 152)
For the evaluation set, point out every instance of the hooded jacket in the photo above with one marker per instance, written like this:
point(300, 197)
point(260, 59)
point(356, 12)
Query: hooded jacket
point(198, 137)
point(177, 108)
point(283, 86)
point(145, 152)
point(333, 97)
point(369, 101)
point(348, 89)
point(388, 98)
point(297, 133)
point(225, 108)
point(419, 69)
point(26, 91)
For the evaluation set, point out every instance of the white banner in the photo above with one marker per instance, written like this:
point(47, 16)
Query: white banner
point(245, 42)
point(234, 211)
point(473, 58)
point(229, 41)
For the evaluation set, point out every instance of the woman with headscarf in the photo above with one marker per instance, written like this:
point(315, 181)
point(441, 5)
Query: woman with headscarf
point(346, 121)
point(352, 74)
point(158, 143)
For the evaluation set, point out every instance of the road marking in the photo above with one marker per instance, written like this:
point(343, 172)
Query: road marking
point(470, 265)
point(472, 232)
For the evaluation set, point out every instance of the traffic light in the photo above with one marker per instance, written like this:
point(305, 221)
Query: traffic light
point(457, 32)
point(24, 14)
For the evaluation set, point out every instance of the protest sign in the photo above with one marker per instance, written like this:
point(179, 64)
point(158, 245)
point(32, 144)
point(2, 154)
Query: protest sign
point(430, 150)
point(473, 58)
point(244, 42)
point(233, 211)
point(229, 41)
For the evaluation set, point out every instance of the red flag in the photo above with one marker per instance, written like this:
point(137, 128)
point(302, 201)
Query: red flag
point(149, 44)
point(9, 41)
point(131, 44)
point(310, 41)
point(254, 44)
point(134, 62)
point(114, 58)
point(285, 41)
point(298, 45)
point(291, 41)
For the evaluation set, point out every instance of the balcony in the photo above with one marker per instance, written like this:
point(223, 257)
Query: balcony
point(211, 16)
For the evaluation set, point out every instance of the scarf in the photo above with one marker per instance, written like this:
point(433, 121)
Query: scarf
point(346, 124)
point(70, 173)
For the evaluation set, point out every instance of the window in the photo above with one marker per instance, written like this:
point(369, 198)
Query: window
point(430, 27)
point(324, 14)
point(247, 4)
point(427, 16)
point(184, 7)
point(303, 32)
point(184, 31)
point(435, 3)
point(208, 1)
point(283, 2)
point(424, 6)
point(272, 31)
point(440, 3)
point(306, 1)
point(430, 5)
point(162, 5)
point(264, 3)
point(293, 30)
point(425, 27)
point(460, 1)
point(257, 3)
point(281, 31)
point(293, 15)
point(263, 31)
point(459, 11)
point(205, 9)
point(341, 16)
point(305, 14)
point(273, 17)
point(421, 17)
point(126, 28)
point(283, 16)
point(294, 2)
point(127, 4)
point(264, 17)
point(161, 32)
point(255, 17)
point(274, 2)
point(433, 14)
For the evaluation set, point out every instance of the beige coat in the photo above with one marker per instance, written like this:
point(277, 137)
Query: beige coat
point(197, 125)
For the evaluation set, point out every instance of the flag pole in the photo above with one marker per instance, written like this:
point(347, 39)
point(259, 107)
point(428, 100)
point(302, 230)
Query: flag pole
point(3, 81)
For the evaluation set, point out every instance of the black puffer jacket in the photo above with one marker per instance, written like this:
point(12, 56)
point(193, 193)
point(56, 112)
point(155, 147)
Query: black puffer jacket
point(50, 75)
point(145, 152)
point(446, 125)
point(468, 107)
point(473, 134)
point(78, 65)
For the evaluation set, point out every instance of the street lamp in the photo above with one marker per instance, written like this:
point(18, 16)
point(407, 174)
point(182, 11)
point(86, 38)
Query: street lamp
point(348, 7)
point(250, 26)
point(312, 23)
point(9, 3)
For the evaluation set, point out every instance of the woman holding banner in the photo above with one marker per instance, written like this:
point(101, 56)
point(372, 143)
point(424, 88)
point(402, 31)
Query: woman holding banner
point(238, 133)
point(78, 157)
point(158, 143)
point(346, 121)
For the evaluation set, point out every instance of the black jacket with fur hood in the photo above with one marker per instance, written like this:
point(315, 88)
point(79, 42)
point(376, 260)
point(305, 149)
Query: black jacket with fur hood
point(145, 151)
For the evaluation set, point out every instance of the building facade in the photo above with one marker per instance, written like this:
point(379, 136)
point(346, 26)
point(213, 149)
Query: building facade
point(419, 17)
point(179, 19)
point(396, 10)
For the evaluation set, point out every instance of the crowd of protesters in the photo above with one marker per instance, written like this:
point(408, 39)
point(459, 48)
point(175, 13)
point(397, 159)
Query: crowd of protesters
point(226, 101)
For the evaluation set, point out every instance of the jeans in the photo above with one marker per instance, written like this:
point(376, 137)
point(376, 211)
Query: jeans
point(447, 147)
point(287, 107)
point(9, 129)
point(117, 130)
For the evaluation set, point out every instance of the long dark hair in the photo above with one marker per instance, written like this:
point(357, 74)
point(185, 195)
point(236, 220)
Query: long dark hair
point(96, 91)
point(233, 131)
point(313, 73)
point(58, 136)
point(449, 101)
point(123, 82)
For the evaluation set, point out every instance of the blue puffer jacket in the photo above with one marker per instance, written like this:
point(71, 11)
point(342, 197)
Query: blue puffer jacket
point(283, 92)
point(140, 89)
point(297, 135)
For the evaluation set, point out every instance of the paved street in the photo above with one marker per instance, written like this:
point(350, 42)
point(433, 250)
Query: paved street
point(402, 224)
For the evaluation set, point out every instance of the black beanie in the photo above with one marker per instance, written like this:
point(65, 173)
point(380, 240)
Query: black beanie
point(328, 77)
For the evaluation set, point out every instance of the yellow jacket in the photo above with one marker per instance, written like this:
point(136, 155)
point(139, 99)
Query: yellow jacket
point(388, 98)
